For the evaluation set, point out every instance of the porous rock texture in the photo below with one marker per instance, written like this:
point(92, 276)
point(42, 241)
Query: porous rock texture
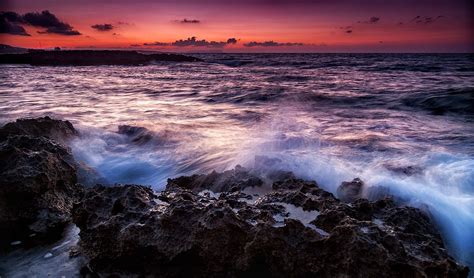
point(37, 177)
point(291, 228)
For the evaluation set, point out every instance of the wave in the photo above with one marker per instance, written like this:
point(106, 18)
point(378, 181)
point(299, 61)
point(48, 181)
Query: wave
point(460, 101)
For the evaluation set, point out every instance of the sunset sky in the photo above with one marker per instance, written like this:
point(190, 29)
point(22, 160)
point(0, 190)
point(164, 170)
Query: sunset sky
point(242, 26)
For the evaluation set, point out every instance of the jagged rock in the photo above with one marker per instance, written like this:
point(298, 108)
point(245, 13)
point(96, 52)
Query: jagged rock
point(37, 185)
point(57, 130)
point(349, 191)
point(137, 134)
point(294, 230)
point(37, 177)
point(231, 180)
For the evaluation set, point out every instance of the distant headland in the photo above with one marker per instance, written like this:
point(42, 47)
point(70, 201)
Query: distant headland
point(14, 55)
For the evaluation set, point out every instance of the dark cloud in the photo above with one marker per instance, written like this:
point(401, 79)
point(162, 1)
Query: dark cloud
point(425, 19)
point(189, 21)
point(350, 29)
point(135, 45)
point(9, 24)
point(347, 29)
point(192, 41)
point(156, 44)
point(103, 27)
point(47, 20)
point(372, 20)
point(271, 44)
point(232, 41)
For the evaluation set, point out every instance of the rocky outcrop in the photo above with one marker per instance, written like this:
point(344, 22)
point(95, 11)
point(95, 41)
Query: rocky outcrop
point(138, 135)
point(231, 180)
point(37, 177)
point(90, 58)
point(349, 191)
point(291, 228)
point(57, 130)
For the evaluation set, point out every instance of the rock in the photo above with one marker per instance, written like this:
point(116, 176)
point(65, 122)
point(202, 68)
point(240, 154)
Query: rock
point(87, 175)
point(231, 180)
point(350, 191)
point(57, 130)
point(407, 170)
point(37, 185)
point(37, 178)
point(91, 58)
point(137, 134)
point(295, 230)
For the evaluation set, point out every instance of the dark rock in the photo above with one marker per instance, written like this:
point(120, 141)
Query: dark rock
point(37, 186)
point(236, 179)
point(407, 170)
point(137, 134)
point(57, 130)
point(37, 178)
point(296, 230)
point(8, 49)
point(350, 191)
point(90, 58)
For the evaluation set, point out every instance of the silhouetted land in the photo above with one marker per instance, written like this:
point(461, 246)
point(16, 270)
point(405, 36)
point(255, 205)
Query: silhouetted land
point(90, 58)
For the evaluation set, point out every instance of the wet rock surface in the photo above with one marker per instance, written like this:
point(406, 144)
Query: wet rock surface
point(350, 191)
point(238, 223)
point(57, 130)
point(37, 178)
point(246, 227)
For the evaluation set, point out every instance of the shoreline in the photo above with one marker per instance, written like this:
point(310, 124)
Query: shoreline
point(91, 58)
point(137, 219)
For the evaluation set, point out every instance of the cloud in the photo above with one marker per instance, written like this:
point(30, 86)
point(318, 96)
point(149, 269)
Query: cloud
point(47, 20)
point(271, 44)
point(9, 24)
point(189, 21)
point(425, 19)
point(350, 28)
point(135, 45)
point(12, 23)
point(103, 27)
point(347, 29)
point(192, 41)
point(372, 20)
point(232, 41)
point(156, 44)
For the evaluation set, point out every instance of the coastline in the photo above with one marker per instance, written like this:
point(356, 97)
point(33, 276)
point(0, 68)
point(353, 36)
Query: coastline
point(91, 58)
point(200, 218)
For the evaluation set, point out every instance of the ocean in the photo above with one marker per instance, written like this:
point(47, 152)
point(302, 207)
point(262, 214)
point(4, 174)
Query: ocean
point(401, 122)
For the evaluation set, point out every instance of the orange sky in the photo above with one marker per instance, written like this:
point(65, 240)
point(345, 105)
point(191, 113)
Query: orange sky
point(321, 26)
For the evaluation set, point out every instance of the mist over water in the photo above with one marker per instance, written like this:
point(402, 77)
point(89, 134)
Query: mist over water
point(404, 123)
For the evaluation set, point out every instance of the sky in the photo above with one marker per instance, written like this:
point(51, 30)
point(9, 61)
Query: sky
point(241, 26)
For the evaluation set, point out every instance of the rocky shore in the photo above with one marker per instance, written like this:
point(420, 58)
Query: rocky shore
point(91, 58)
point(238, 223)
